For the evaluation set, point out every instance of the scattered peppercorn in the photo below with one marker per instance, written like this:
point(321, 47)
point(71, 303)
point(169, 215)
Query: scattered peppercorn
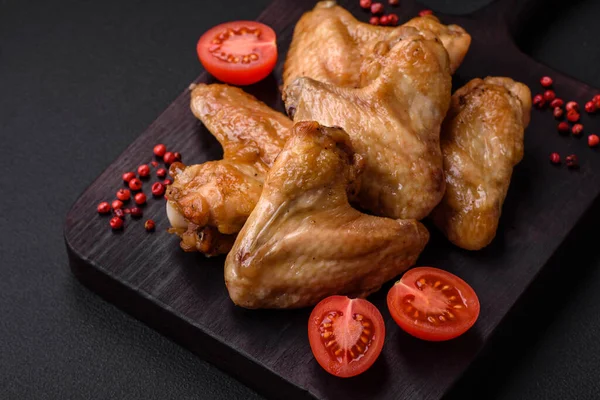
point(135, 184)
point(160, 150)
point(596, 101)
point(127, 211)
point(167, 182)
point(366, 4)
point(593, 140)
point(154, 163)
point(546, 81)
point(573, 116)
point(140, 198)
point(393, 2)
point(127, 176)
point(572, 161)
point(577, 129)
point(538, 101)
point(116, 204)
point(103, 208)
point(392, 19)
point(161, 172)
point(149, 225)
point(119, 213)
point(143, 170)
point(590, 107)
point(384, 20)
point(557, 103)
point(123, 194)
point(158, 189)
point(423, 13)
point(116, 223)
point(555, 158)
point(136, 212)
point(572, 105)
point(374, 21)
point(376, 8)
point(169, 158)
point(563, 127)
point(549, 95)
point(558, 112)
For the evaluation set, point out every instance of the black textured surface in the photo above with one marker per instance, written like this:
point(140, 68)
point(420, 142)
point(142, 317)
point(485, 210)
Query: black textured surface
point(79, 81)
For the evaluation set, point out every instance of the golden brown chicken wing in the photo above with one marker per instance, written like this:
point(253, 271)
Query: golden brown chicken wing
point(303, 241)
point(482, 140)
point(455, 39)
point(330, 45)
point(209, 203)
point(394, 121)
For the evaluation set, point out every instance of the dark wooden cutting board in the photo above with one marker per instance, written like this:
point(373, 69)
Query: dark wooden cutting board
point(183, 295)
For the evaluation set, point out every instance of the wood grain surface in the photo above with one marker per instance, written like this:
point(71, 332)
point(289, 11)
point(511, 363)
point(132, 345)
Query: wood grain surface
point(183, 294)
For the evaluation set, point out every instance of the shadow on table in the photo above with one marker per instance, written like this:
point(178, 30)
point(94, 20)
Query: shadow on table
point(566, 273)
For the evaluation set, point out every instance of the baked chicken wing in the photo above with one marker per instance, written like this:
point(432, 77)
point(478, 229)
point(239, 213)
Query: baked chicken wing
point(482, 140)
point(394, 121)
point(304, 241)
point(330, 45)
point(208, 203)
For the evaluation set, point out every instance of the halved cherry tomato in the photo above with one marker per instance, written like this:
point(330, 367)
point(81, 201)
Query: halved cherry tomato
point(346, 335)
point(239, 52)
point(433, 304)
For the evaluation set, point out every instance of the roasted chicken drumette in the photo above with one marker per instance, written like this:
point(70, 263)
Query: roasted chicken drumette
point(209, 203)
point(304, 241)
point(330, 45)
point(482, 140)
point(393, 119)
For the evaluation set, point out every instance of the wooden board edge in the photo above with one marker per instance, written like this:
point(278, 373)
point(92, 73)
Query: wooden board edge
point(148, 311)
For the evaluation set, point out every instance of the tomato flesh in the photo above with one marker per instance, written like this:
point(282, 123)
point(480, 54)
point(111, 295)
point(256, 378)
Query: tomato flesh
point(239, 52)
point(433, 304)
point(346, 335)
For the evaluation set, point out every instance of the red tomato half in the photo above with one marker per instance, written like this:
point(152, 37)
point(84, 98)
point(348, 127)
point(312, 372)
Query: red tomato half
point(239, 52)
point(433, 304)
point(346, 335)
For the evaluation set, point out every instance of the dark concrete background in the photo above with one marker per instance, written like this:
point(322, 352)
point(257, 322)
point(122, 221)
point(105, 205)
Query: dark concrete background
point(79, 80)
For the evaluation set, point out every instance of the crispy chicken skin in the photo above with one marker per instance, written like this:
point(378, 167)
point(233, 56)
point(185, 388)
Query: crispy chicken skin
point(455, 39)
point(210, 202)
point(482, 140)
point(330, 45)
point(394, 121)
point(304, 242)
